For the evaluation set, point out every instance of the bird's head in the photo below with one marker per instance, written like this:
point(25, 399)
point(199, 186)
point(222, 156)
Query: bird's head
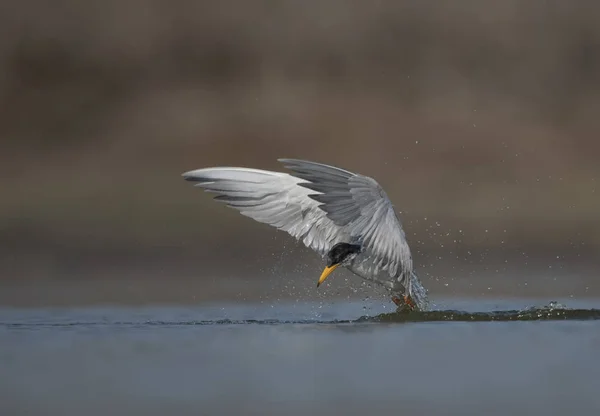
point(341, 254)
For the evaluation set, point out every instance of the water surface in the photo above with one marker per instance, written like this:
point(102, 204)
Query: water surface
point(467, 357)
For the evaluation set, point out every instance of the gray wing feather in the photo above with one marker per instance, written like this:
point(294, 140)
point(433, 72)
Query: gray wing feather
point(358, 204)
point(272, 198)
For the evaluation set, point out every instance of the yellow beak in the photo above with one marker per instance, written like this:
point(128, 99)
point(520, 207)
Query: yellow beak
point(326, 273)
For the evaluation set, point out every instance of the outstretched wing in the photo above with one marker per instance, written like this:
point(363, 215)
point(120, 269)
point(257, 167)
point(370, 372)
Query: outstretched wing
point(360, 206)
point(318, 204)
point(272, 198)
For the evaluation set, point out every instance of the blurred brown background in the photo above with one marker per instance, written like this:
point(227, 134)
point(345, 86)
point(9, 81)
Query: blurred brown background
point(479, 118)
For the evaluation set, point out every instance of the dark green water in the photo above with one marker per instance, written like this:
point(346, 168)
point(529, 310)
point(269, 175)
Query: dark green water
point(465, 357)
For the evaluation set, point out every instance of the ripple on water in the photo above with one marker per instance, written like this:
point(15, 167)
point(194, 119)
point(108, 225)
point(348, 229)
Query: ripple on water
point(552, 312)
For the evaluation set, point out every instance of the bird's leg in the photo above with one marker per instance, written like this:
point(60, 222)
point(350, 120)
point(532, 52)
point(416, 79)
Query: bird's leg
point(404, 303)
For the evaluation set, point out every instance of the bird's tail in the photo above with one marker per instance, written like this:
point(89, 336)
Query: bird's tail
point(417, 292)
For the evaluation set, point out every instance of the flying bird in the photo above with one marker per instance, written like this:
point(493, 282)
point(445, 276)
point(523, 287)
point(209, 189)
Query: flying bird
point(345, 217)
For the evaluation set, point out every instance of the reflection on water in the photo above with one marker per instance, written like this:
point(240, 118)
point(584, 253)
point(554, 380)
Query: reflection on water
point(301, 359)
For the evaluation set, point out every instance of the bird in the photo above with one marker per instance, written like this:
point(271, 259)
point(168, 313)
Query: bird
point(345, 217)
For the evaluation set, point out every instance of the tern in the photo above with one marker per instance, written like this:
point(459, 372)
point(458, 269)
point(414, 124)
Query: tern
point(345, 217)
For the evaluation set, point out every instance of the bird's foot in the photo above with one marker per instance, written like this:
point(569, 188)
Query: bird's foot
point(405, 303)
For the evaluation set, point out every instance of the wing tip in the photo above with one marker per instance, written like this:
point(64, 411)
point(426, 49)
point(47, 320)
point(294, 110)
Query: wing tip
point(301, 164)
point(192, 175)
point(289, 161)
point(293, 161)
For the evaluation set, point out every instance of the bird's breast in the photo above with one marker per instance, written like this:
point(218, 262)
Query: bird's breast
point(365, 267)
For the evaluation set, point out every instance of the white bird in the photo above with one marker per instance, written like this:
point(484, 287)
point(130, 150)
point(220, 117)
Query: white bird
point(345, 217)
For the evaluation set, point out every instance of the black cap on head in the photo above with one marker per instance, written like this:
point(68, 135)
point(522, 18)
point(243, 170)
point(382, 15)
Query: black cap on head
point(340, 251)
